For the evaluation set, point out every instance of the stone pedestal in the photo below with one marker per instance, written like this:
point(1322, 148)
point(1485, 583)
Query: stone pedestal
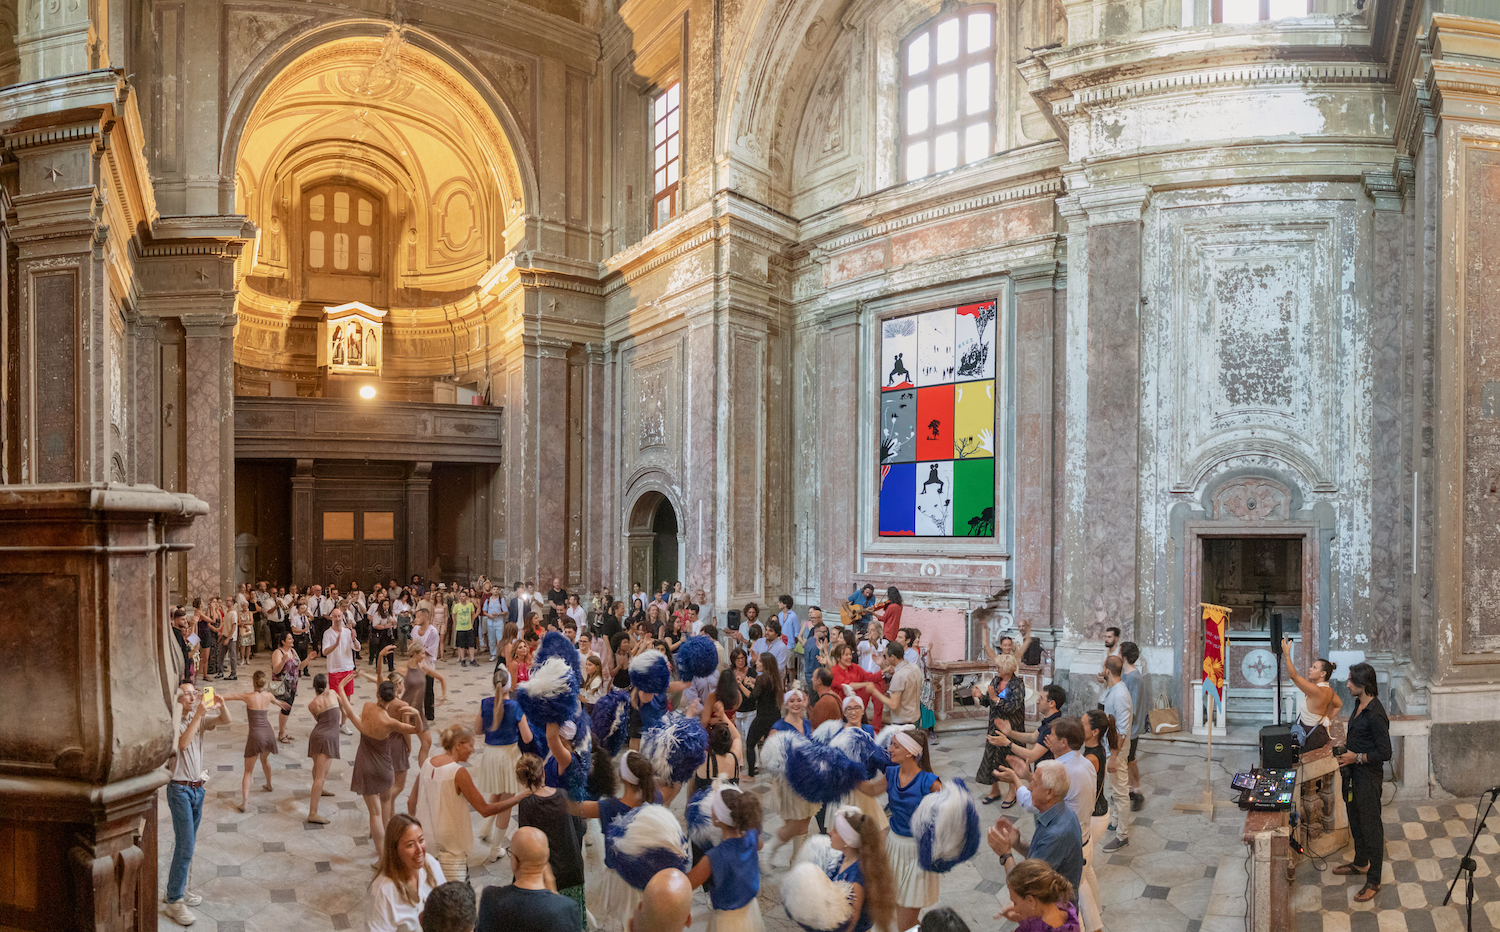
point(91, 696)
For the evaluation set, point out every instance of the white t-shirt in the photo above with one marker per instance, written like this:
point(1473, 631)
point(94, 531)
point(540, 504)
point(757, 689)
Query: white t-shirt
point(432, 640)
point(579, 616)
point(387, 911)
point(338, 647)
point(869, 655)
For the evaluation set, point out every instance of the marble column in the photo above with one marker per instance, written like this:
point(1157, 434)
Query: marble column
point(209, 425)
point(418, 517)
point(1104, 411)
point(838, 408)
point(1035, 403)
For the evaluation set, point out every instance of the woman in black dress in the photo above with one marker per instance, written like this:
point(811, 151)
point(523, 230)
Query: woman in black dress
point(1006, 698)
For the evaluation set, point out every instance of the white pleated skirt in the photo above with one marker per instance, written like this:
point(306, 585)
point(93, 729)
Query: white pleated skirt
point(745, 919)
point(786, 803)
point(614, 902)
point(915, 888)
point(496, 773)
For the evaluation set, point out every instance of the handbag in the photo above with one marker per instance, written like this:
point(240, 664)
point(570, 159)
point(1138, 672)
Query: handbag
point(1163, 721)
point(278, 688)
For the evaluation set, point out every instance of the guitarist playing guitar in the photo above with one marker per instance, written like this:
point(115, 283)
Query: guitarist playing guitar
point(858, 606)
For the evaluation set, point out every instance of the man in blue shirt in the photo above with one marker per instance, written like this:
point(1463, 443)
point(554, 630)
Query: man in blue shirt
point(858, 607)
point(1058, 839)
point(791, 626)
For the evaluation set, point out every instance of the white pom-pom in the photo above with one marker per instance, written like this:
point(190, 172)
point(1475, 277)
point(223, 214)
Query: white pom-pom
point(774, 751)
point(553, 678)
point(818, 849)
point(826, 732)
point(815, 902)
point(654, 827)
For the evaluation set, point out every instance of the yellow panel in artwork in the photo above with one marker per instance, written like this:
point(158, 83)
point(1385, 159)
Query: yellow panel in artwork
point(974, 419)
point(380, 525)
point(338, 525)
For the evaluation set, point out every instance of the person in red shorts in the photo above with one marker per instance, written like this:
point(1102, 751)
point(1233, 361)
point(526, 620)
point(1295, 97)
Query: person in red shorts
point(338, 646)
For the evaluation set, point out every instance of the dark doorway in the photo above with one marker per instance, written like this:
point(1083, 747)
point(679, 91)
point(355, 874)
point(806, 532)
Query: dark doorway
point(1258, 577)
point(663, 545)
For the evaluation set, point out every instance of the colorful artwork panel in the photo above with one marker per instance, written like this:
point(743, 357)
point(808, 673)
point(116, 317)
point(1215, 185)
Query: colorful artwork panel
point(935, 348)
point(935, 422)
point(898, 493)
point(974, 498)
point(934, 517)
point(973, 419)
point(974, 342)
point(898, 354)
point(898, 426)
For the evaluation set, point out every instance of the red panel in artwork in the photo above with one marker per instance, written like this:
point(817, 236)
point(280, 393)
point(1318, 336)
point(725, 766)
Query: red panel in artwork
point(935, 422)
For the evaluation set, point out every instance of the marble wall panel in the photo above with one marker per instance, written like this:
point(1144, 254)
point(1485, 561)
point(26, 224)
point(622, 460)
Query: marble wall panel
point(748, 464)
point(1479, 631)
point(56, 403)
point(202, 420)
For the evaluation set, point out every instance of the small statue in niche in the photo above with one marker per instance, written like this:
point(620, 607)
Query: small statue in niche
point(338, 345)
point(354, 350)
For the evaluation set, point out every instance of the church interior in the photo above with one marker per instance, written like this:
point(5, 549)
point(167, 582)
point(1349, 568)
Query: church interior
point(1056, 317)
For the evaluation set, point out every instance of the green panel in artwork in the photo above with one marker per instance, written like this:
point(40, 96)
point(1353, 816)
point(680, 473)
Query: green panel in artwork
point(974, 498)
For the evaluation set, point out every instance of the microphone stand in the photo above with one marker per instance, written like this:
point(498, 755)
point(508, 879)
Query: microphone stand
point(1467, 865)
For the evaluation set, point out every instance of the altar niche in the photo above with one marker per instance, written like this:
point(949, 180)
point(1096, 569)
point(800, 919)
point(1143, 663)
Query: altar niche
point(1257, 577)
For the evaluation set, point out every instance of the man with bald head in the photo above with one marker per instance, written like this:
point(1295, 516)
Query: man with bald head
point(528, 904)
point(666, 904)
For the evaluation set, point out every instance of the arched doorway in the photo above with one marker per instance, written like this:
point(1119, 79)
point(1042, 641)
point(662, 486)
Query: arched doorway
point(653, 542)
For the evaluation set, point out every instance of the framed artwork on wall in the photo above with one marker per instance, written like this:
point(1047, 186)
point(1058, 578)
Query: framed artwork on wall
point(937, 423)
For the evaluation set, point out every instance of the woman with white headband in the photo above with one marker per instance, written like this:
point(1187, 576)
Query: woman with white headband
point(795, 811)
point(733, 864)
point(615, 900)
point(906, 782)
point(864, 865)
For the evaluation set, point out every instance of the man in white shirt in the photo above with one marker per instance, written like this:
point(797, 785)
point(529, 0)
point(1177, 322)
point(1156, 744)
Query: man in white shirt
point(773, 644)
point(338, 647)
point(427, 634)
point(492, 610)
point(185, 796)
point(575, 611)
point(1116, 702)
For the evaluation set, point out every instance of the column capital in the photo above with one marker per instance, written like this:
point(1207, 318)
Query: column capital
point(1384, 188)
point(1116, 204)
point(1039, 277)
point(209, 325)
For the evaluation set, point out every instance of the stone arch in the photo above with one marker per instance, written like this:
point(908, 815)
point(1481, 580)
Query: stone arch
point(653, 546)
point(487, 100)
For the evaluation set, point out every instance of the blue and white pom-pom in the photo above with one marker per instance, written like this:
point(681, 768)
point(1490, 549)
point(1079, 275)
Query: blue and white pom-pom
point(821, 773)
point(859, 745)
point(773, 754)
point(576, 777)
point(813, 900)
point(650, 673)
point(556, 644)
point(645, 841)
point(611, 720)
point(676, 747)
point(697, 657)
point(701, 829)
point(946, 826)
point(550, 696)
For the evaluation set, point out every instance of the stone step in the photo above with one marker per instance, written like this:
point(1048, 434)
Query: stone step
point(1226, 902)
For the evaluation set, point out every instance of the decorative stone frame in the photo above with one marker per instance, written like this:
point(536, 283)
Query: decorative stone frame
point(872, 316)
point(1224, 510)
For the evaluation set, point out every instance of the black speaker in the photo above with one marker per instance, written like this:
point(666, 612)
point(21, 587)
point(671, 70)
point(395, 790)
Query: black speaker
point(732, 619)
point(1276, 634)
point(1277, 749)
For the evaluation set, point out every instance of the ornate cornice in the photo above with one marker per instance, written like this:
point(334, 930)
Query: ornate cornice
point(1047, 187)
point(1236, 76)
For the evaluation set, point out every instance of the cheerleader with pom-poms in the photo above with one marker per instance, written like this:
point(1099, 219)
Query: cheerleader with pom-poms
point(858, 741)
point(733, 864)
point(504, 726)
point(614, 898)
point(794, 809)
point(906, 782)
point(843, 882)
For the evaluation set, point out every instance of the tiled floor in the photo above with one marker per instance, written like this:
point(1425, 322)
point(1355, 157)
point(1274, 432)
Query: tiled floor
point(1423, 846)
point(269, 870)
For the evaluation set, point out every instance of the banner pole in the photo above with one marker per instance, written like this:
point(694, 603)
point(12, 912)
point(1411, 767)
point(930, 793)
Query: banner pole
point(1206, 805)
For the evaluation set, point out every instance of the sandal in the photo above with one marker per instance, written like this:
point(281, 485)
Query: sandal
point(1367, 893)
point(1345, 870)
point(1007, 804)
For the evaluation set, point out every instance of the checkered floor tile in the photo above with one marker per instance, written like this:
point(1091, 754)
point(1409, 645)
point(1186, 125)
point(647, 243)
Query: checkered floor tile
point(1423, 844)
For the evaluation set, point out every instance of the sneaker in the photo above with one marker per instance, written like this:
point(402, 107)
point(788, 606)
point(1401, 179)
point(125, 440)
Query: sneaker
point(192, 899)
point(179, 913)
point(1116, 845)
point(1111, 825)
point(1137, 800)
point(346, 730)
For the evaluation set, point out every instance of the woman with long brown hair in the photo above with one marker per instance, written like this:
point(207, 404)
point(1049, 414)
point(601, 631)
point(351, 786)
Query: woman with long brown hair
point(906, 782)
point(1098, 730)
point(404, 878)
point(616, 899)
point(766, 697)
point(864, 864)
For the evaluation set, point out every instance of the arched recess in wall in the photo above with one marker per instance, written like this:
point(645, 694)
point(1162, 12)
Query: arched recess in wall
point(653, 539)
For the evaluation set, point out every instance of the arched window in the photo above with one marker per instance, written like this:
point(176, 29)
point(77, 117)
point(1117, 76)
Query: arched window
point(948, 92)
point(341, 225)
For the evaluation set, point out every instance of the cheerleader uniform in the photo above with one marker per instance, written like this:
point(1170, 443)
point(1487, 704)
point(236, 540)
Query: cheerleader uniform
point(864, 802)
point(784, 800)
point(855, 873)
point(736, 882)
point(915, 888)
point(502, 749)
point(648, 716)
point(615, 901)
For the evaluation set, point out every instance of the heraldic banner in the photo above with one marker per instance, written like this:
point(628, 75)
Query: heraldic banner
point(1215, 648)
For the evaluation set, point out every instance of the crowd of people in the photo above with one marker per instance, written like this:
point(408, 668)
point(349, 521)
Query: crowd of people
point(767, 683)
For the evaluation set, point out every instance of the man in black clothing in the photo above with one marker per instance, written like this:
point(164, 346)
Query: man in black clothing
point(1366, 749)
point(557, 595)
point(527, 905)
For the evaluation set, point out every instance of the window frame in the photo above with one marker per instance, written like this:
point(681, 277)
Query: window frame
point(1217, 13)
point(959, 68)
point(672, 192)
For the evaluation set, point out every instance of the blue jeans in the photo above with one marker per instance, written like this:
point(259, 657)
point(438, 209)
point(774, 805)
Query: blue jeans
point(186, 805)
point(497, 628)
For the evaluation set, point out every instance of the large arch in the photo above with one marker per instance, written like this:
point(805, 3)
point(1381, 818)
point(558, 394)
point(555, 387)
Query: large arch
point(486, 103)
